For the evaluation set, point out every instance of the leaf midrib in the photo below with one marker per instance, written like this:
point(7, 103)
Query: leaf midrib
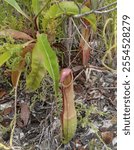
point(48, 61)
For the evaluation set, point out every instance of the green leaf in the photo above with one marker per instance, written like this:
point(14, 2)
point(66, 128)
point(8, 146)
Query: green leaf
point(35, 6)
point(36, 75)
point(68, 8)
point(38, 70)
point(14, 4)
point(4, 57)
point(43, 58)
point(8, 51)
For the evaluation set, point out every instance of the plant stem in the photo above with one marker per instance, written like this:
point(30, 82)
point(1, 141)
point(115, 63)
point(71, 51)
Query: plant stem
point(41, 10)
point(98, 11)
point(13, 123)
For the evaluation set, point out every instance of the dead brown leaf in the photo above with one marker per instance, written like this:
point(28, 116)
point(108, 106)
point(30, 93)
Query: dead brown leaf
point(16, 34)
point(15, 76)
point(7, 111)
point(25, 113)
point(2, 93)
point(107, 136)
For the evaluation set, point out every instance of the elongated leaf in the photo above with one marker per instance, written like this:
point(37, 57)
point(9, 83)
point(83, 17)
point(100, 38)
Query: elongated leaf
point(15, 34)
point(35, 77)
point(50, 60)
point(68, 8)
point(38, 70)
point(35, 6)
point(43, 58)
point(4, 57)
point(14, 4)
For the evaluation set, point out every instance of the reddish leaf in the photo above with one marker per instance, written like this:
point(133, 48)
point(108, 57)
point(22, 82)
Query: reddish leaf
point(25, 113)
point(84, 47)
point(15, 34)
point(27, 49)
point(16, 73)
point(14, 77)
